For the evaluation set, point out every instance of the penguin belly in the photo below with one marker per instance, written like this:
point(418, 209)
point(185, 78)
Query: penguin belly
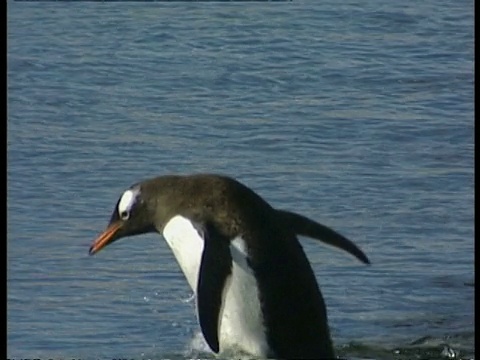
point(241, 324)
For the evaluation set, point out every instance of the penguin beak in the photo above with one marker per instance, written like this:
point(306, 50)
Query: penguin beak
point(105, 238)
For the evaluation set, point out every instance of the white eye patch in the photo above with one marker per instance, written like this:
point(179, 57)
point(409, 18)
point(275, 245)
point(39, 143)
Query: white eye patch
point(126, 203)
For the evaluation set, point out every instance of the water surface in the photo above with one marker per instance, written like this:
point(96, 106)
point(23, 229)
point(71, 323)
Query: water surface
point(356, 114)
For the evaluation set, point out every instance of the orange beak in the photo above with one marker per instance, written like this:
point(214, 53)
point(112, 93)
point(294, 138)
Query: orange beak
point(105, 238)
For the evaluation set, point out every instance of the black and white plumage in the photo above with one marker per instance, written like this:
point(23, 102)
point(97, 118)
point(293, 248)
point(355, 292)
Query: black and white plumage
point(254, 286)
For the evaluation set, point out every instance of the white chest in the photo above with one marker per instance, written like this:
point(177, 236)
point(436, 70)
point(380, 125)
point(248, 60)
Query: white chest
point(241, 320)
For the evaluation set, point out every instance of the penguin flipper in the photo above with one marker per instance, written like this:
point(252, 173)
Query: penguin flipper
point(304, 226)
point(215, 268)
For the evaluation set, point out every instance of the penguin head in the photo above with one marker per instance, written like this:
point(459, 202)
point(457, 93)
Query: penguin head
point(132, 216)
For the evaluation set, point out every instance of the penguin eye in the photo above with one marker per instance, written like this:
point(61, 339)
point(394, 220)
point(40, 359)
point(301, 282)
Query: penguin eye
point(124, 215)
point(127, 202)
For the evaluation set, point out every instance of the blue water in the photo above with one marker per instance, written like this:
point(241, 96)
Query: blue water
point(358, 114)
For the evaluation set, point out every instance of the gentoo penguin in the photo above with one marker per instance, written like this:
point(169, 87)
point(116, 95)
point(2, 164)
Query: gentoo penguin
point(255, 289)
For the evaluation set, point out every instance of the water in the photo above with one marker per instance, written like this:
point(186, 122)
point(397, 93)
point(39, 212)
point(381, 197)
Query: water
point(358, 114)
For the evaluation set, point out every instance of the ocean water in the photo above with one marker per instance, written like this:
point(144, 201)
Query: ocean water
point(358, 114)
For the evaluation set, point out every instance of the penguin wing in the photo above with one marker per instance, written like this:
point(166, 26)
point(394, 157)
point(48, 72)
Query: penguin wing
point(304, 226)
point(215, 268)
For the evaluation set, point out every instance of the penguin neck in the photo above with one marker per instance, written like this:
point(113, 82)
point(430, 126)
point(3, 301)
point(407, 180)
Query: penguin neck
point(186, 245)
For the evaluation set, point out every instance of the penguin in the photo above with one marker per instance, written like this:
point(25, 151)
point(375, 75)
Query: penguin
point(254, 286)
